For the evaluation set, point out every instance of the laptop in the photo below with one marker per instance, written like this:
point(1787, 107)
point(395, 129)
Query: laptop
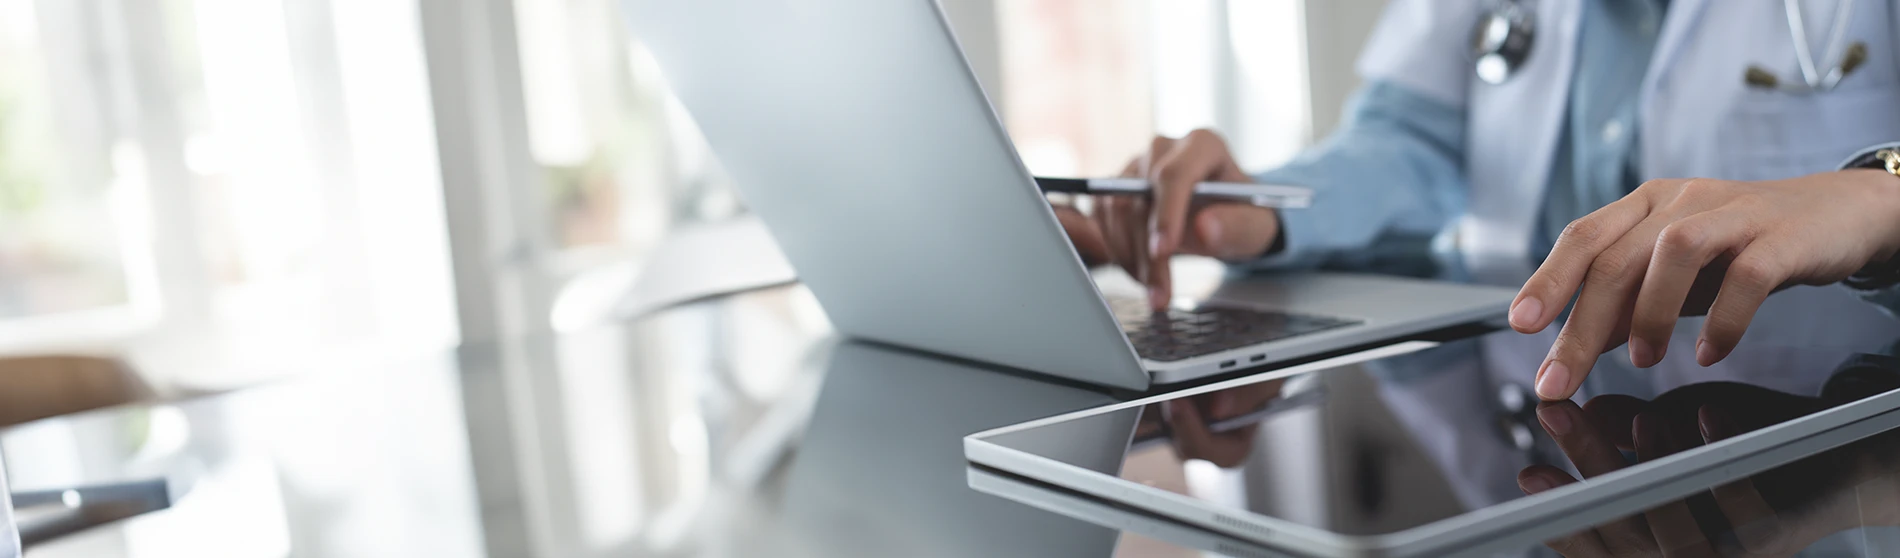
point(857, 132)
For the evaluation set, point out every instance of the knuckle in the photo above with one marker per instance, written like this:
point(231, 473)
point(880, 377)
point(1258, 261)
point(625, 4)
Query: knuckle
point(1657, 186)
point(1205, 135)
point(1585, 230)
point(1569, 345)
point(1682, 240)
point(1614, 268)
point(1702, 188)
point(1173, 175)
point(1753, 273)
point(1160, 144)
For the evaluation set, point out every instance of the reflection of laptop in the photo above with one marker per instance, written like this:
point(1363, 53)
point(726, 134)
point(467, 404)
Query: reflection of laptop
point(856, 130)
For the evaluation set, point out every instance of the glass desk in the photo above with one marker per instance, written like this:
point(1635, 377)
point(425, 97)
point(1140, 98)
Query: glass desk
point(734, 427)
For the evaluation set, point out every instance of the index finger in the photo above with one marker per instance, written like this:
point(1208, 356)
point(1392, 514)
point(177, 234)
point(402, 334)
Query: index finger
point(1549, 289)
point(1196, 157)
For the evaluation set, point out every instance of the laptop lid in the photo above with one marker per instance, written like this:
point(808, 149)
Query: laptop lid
point(857, 132)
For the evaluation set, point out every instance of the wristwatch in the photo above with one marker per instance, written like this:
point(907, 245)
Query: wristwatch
point(1884, 274)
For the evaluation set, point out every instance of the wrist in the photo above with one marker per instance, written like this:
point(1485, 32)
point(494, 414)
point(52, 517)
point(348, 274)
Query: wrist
point(1880, 171)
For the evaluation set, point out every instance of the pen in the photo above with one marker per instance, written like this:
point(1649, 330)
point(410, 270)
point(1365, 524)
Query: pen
point(1264, 195)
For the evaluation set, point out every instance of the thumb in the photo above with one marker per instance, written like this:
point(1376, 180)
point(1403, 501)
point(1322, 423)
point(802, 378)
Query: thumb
point(1232, 231)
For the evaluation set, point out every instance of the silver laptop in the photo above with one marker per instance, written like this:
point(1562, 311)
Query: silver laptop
point(857, 132)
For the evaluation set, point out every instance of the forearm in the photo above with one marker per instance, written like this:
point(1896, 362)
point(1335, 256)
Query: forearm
point(1392, 174)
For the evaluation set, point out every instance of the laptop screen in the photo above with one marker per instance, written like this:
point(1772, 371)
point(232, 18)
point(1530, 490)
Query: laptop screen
point(1395, 443)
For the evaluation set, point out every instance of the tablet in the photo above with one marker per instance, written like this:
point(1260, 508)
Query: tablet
point(1451, 404)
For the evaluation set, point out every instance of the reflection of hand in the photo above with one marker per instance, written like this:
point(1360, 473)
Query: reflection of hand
point(1189, 418)
point(1142, 232)
point(1775, 513)
point(1685, 247)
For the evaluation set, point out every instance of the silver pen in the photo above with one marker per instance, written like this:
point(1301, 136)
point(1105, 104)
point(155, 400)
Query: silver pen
point(1276, 196)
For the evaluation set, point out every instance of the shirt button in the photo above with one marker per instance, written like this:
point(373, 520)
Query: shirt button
point(1612, 131)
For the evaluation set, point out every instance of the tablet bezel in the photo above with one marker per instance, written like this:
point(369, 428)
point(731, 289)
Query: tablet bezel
point(1504, 526)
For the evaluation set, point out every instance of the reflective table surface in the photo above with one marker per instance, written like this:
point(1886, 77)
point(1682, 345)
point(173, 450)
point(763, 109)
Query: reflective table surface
point(743, 427)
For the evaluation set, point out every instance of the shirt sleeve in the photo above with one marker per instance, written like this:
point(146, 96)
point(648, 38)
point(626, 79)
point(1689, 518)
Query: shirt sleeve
point(1385, 183)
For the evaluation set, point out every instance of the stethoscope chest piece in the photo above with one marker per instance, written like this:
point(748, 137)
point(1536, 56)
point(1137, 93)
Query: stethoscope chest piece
point(1501, 41)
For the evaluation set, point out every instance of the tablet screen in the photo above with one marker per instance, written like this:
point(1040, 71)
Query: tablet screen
point(1395, 443)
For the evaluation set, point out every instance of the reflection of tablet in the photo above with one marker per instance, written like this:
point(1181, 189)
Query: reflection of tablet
point(1068, 452)
point(1109, 515)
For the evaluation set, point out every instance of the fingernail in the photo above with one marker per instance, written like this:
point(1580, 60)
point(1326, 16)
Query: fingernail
point(1555, 420)
point(1704, 352)
point(1159, 297)
point(1555, 380)
point(1713, 425)
point(1641, 354)
point(1526, 313)
point(1535, 484)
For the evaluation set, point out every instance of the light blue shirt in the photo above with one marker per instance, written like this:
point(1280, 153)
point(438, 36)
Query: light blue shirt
point(1393, 176)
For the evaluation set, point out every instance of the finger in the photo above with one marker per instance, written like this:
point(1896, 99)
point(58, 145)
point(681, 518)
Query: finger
point(1609, 292)
point(1084, 235)
point(1231, 231)
point(1615, 415)
point(1199, 156)
point(1157, 147)
point(1548, 290)
point(1160, 277)
point(1754, 522)
point(1538, 479)
point(1674, 527)
point(1586, 446)
point(1193, 440)
point(1754, 274)
point(1682, 249)
point(1111, 217)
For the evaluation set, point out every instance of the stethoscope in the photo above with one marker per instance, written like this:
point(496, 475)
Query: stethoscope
point(1502, 39)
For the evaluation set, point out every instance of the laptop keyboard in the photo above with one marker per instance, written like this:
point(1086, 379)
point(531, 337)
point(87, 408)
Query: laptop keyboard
point(1179, 334)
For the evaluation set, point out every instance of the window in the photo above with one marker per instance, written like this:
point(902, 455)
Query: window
point(60, 248)
point(620, 162)
point(1086, 83)
point(182, 171)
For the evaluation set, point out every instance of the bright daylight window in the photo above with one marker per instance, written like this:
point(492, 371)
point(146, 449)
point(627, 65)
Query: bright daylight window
point(60, 250)
point(1086, 83)
point(620, 161)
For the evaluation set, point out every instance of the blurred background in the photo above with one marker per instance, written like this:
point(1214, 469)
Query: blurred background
point(228, 180)
point(221, 193)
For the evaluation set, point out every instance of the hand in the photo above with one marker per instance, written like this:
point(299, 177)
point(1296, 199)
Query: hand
point(1083, 234)
point(1141, 233)
point(1687, 247)
point(1188, 420)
